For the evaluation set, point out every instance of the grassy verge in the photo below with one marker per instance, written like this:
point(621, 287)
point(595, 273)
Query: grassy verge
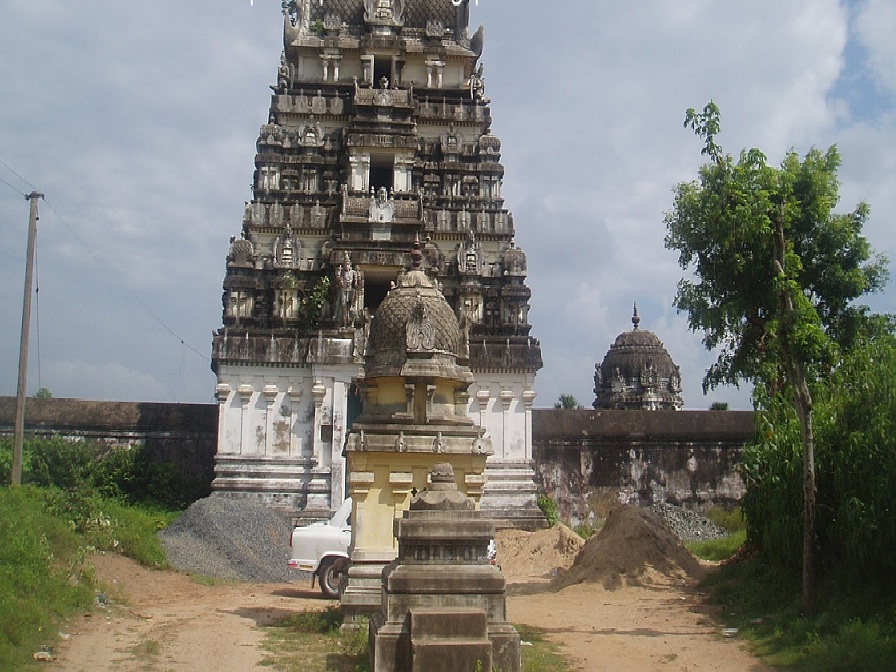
point(540, 655)
point(717, 549)
point(47, 537)
point(854, 630)
point(310, 641)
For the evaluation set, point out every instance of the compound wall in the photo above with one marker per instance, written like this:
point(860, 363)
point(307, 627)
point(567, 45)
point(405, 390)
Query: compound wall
point(588, 461)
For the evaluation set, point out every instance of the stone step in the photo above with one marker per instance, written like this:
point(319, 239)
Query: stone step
point(451, 654)
point(462, 624)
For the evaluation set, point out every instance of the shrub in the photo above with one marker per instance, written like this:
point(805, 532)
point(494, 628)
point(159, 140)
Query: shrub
point(728, 519)
point(128, 474)
point(42, 578)
point(549, 508)
point(855, 453)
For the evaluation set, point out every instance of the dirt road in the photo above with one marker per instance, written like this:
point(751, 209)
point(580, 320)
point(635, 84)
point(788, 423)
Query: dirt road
point(164, 621)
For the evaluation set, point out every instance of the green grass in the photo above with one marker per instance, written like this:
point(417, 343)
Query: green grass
point(47, 537)
point(540, 655)
point(854, 629)
point(41, 576)
point(728, 519)
point(310, 641)
point(717, 549)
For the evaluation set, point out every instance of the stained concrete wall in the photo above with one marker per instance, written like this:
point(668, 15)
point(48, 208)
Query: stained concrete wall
point(586, 460)
point(590, 460)
point(181, 434)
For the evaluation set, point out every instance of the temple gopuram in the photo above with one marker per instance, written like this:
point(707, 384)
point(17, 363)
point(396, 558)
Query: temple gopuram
point(378, 136)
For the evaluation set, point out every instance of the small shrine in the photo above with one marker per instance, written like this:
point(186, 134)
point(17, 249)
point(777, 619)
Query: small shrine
point(637, 373)
point(414, 392)
point(443, 603)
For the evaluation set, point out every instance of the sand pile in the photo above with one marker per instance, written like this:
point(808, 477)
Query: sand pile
point(634, 547)
point(524, 556)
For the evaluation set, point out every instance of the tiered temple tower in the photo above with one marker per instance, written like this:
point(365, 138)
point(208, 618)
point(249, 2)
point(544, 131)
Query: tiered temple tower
point(378, 136)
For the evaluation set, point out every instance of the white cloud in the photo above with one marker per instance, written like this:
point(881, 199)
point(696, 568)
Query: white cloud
point(143, 140)
point(875, 27)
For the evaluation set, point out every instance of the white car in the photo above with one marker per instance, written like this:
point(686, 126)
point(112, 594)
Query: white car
point(322, 549)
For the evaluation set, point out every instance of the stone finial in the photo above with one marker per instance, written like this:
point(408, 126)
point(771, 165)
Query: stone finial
point(442, 493)
point(635, 319)
point(442, 477)
point(416, 255)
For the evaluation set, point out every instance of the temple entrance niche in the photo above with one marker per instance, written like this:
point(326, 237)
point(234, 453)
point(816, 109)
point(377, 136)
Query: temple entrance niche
point(382, 172)
point(377, 282)
point(382, 71)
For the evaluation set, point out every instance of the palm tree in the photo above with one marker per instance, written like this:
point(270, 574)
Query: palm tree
point(567, 402)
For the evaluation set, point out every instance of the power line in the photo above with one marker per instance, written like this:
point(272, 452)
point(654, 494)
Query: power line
point(20, 193)
point(99, 261)
point(10, 169)
point(115, 277)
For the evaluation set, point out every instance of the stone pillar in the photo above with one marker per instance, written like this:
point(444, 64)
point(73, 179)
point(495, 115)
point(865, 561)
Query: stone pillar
point(318, 392)
point(483, 396)
point(528, 400)
point(361, 594)
point(337, 462)
point(295, 447)
point(336, 58)
point(367, 63)
point(245, 391)
point(222, 394)
point(506, 400)
point(270, 396)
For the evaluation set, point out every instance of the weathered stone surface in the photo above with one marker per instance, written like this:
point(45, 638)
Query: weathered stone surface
point(443, 604)
point(588, 459)
point(378, 135)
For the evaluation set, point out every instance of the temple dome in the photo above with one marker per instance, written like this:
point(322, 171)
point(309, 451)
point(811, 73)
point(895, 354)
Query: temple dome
point(637, 373)
point(242, 254)
point(414, 332)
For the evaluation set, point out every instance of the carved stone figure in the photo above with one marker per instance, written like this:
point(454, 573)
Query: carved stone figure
point(389, 11)
point(347, 279)
point(477, 85)
point(283, 77)
point(382, 207)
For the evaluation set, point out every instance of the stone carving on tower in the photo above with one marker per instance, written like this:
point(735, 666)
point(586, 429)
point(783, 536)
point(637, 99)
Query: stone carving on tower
point(637, 373)
point(378, 134)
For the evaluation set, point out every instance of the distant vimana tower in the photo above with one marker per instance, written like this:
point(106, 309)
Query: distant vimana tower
point(378, 136)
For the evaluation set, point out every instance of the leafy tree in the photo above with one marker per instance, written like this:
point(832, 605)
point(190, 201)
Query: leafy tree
point(775, 276)
point(856, 457)
point(718, 406)
point(43, 393)
point(567, 402)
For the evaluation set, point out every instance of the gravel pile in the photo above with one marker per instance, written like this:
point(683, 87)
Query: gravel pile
point(231, 539)
point(686, 524)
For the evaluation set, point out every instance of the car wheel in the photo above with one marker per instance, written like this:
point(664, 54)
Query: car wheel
point(329, 576)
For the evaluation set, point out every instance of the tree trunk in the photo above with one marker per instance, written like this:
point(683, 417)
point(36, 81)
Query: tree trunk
point(802, 399)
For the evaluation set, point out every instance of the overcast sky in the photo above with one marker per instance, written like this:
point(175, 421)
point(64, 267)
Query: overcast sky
point(138, 122)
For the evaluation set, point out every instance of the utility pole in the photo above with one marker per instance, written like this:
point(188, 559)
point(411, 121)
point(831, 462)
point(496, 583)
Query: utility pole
point(19, 436)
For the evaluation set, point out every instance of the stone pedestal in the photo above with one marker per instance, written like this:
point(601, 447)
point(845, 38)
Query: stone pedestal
point(443, 603)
